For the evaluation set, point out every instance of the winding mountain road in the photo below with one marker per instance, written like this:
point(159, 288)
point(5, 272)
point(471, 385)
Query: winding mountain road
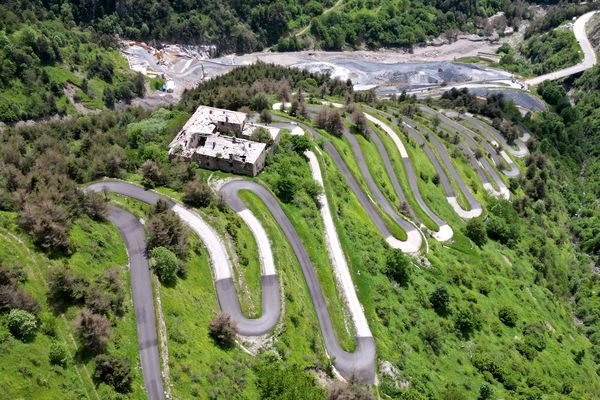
point(360, 363)
point(414, 132)
point(414, 239)
point(143, 299)
point(469, 147)
point(589, 55)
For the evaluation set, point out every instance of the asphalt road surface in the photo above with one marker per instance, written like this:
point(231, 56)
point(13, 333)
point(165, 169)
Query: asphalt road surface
point(412, 128)
point(589, 55)
point(360, 363)
point(143, 299)
point(414, 240)
point(469, 146)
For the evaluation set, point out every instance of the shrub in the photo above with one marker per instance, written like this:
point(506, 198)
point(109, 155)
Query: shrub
point(164, 228)
point(262, 135)
point(114, 371)
point(286, 187)
point(266, 117)
point(431, 334)
point(260, 102)
point(535, 334)
point(331, 121)
point(93, 331)
point(152, 175)
point(94, 205)
point(475, 230)
point(164, 264)
point(440, 300)
point(57, 354)
point(360, 122)
point(198, 194)
point(66, 289)
point(313, 189)
point(300, 143)
point(47, 223)
point(16, 298)
point(397, 267)
point(351, 390)
point(223, 330)
point(277, 380)
point(22, 324)
point(508, 316)
point(485, 392)
point(48, 324)
point(466, 321)
point(501, 231)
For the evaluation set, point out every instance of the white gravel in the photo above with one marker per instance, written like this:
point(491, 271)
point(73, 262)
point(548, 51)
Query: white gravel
point(336, 255)
point(219, 259)
point(390, 133)
point(474, 213)
point(262, 241)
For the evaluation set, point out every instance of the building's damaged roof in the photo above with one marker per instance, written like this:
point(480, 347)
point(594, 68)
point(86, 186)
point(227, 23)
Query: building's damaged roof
point(230, 147)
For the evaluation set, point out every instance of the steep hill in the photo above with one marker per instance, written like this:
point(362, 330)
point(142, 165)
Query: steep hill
point(506, 308)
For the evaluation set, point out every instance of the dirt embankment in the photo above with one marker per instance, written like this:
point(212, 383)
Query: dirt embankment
point(593, 30)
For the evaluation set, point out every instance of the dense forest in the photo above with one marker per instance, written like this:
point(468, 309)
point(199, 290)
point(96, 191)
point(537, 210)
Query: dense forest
point(47, 66)
point(541, 53)
point(246, 26)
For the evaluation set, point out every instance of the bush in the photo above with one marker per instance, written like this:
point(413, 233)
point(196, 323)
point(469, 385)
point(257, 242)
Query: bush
point(266, 117)
point(114, 371)
point(397, 267)
point(330, 120)
point(431, 334)
point(223, 330)
point(94, 205)
point(65, 289)
point(198, 194)
point(47, 222)
point(351, 390)
point(57, 354)
point(260, 102)
point(93, 331)
point(152, 175)
point(466, 322)
point(164, 264)
point(313, 189)
point(535, 336)
point(360, 122)
point(300, 143)
point(262, 135)
point(508, 316)
point(21, 324)
point(164, 228)
point(12, 297)
point(277, 380)
point(440, 300)
point(485, 392)
point(475, 230)
point(286, 187)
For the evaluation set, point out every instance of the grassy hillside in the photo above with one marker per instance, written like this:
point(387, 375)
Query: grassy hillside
point(26, 368)
point(507, 323)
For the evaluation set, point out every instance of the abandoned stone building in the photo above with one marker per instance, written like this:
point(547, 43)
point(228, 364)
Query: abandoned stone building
point(220, 139)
